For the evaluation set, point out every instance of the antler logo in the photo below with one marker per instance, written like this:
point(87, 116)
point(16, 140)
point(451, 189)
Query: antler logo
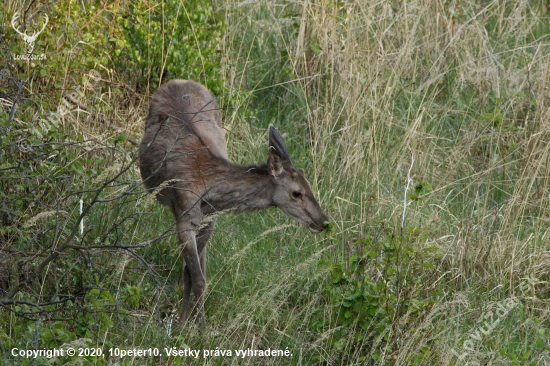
point(32, 38)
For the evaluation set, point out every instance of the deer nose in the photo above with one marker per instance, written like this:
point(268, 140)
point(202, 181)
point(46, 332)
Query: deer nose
point(324, 221)
point(319, 224)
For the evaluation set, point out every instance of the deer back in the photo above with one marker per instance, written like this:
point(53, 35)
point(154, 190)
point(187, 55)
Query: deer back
point(183, 136)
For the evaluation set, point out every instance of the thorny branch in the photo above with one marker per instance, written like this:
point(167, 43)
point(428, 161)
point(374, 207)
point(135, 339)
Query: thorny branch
point(65, 233)
point(62, 241)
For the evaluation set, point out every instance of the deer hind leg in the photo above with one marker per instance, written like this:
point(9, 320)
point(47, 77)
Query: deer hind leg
point(202, 240)
point(186, 282)
point(193, 277)
point(193, 272)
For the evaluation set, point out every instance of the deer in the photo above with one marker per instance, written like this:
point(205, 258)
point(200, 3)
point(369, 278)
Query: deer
point(183, 160)
point(32, 38)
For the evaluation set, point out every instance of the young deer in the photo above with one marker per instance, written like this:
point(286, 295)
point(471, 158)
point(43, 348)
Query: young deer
point(183, 158)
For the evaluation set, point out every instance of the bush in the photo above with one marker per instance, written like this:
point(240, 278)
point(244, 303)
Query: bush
point(374, 291)
point(177, 40)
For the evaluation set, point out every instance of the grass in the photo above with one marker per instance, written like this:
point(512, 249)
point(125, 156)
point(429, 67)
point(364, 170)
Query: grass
point(358, 89)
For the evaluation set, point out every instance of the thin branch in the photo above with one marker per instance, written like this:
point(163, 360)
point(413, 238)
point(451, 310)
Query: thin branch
point(409, 180)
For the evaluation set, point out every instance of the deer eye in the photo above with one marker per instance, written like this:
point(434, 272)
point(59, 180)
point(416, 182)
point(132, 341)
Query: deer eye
point(296, 194)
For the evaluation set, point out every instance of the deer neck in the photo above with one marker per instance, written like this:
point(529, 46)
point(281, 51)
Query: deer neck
point(239, 188)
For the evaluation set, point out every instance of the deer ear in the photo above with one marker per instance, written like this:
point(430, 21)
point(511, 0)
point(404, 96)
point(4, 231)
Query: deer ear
point(274, 163)
point(278, 153)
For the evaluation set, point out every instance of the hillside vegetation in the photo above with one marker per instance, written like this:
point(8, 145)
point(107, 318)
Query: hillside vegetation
point(423, 126)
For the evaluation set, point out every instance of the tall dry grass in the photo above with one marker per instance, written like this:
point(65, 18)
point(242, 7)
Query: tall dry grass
point(462, 86)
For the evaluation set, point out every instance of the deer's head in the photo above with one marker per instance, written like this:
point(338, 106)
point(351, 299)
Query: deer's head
point(292, 190)
point(28, 39)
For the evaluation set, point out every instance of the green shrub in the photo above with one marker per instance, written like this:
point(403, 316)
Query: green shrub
point(178, 39)
point(366, 297)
